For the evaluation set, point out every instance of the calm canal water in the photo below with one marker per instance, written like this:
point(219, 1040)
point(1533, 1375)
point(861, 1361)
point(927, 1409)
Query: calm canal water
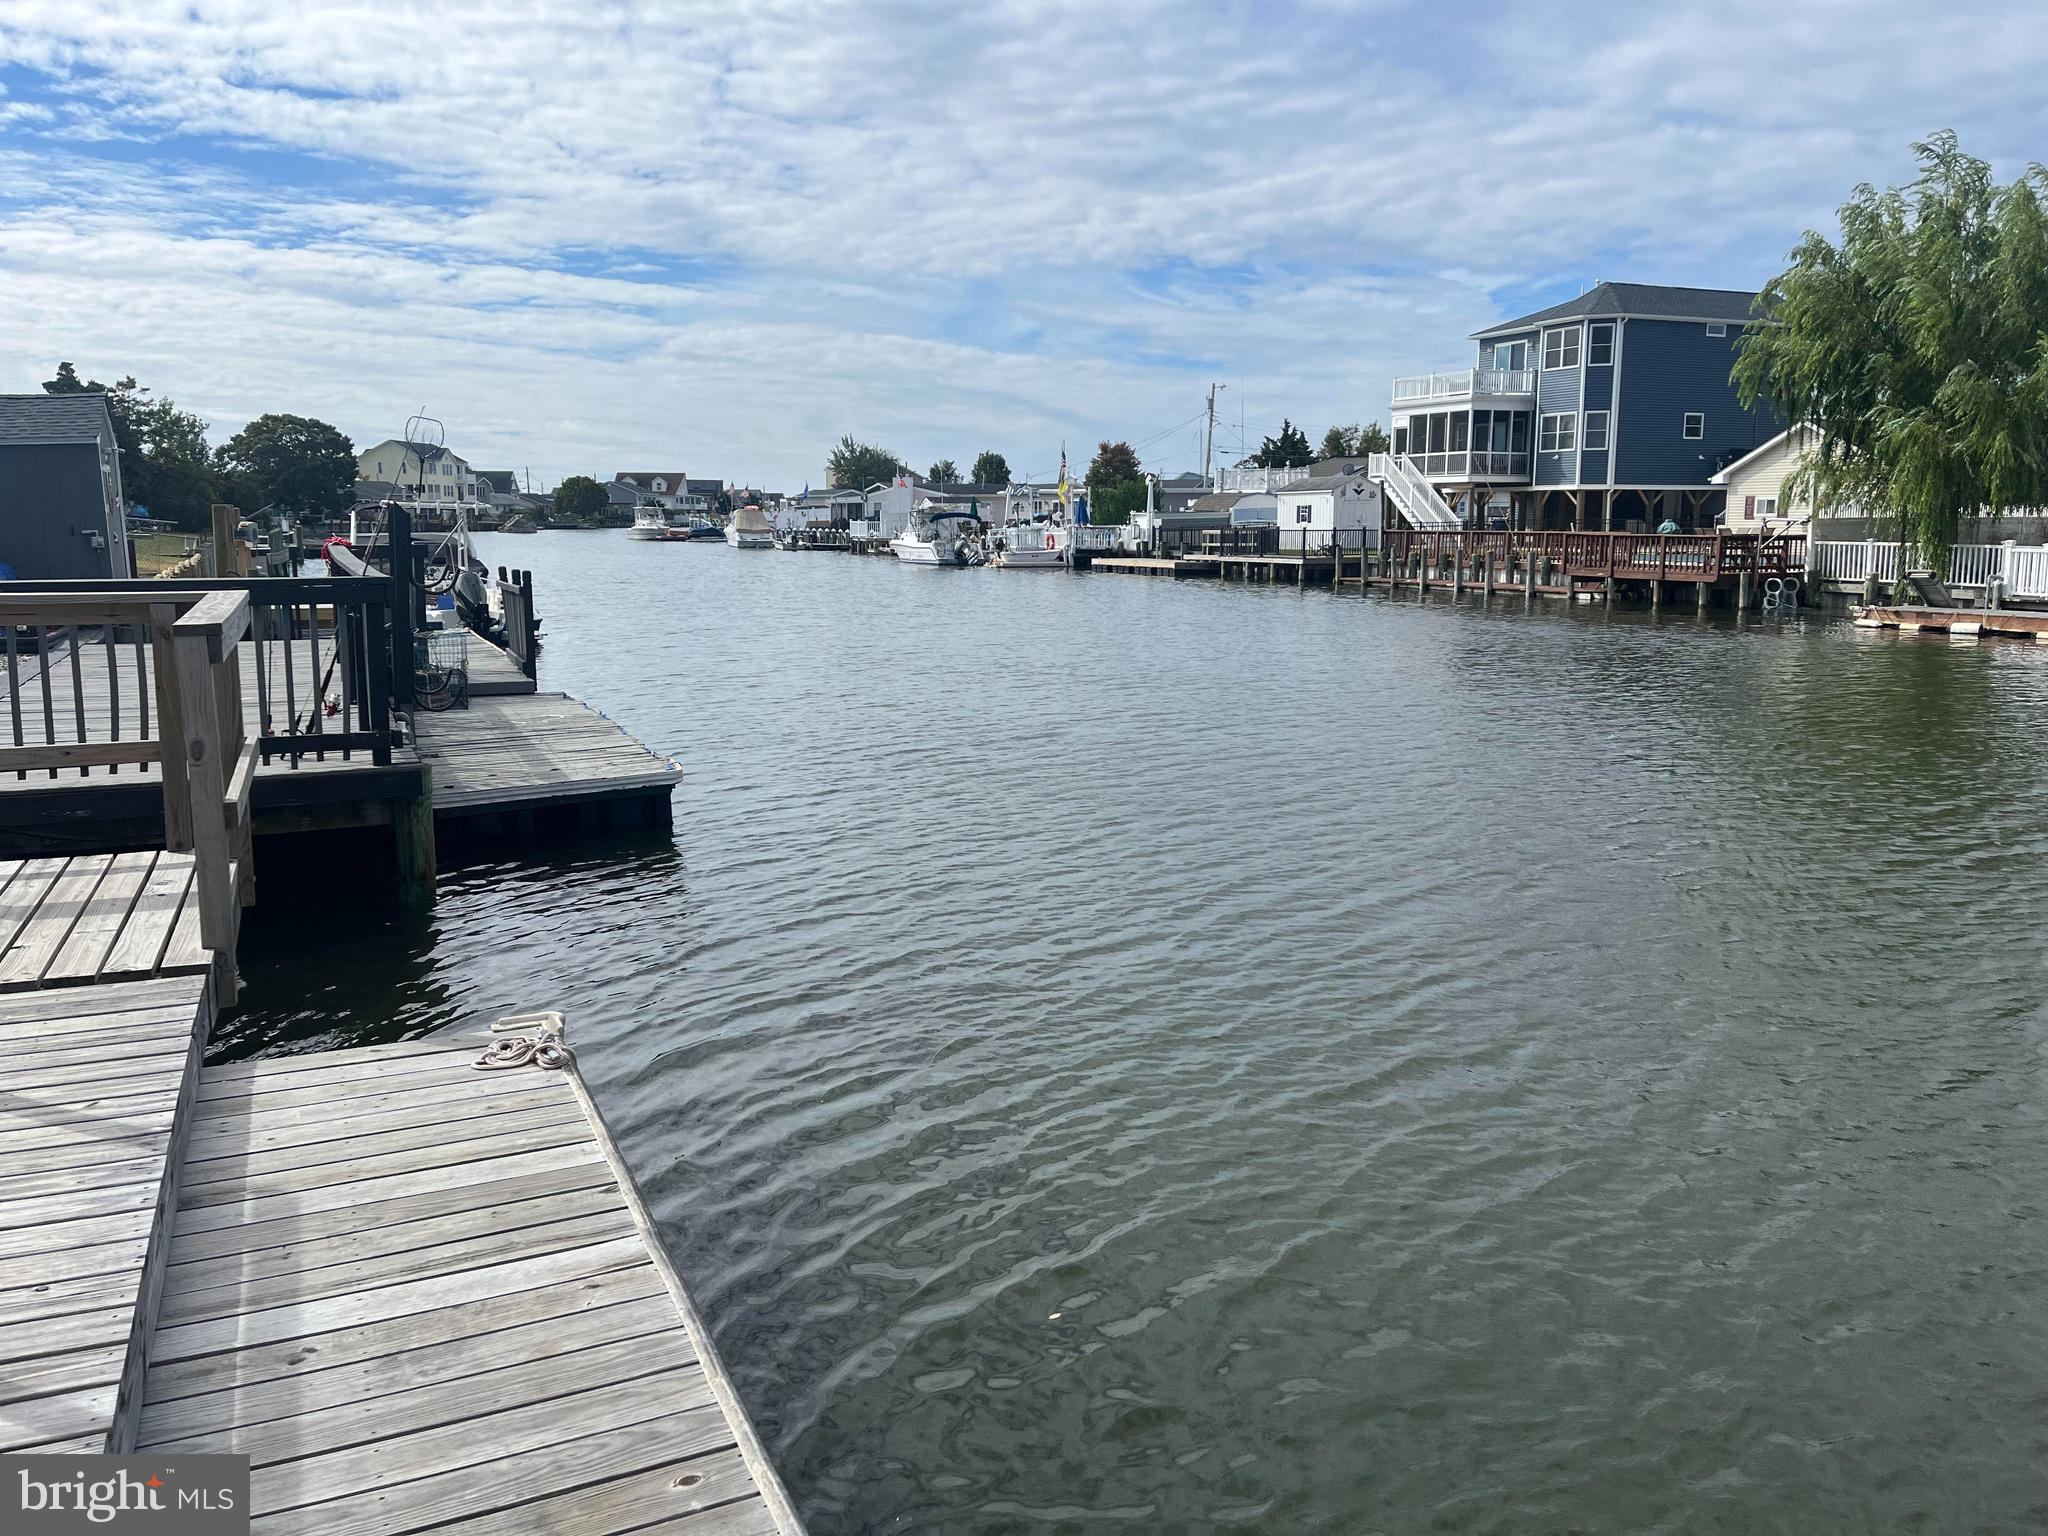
point(1111, 1055)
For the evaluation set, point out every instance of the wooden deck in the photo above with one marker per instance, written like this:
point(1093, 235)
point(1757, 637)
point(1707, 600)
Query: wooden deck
point(1142, 565)
point(418, 1295)
point(538, 750)
point(98, 917)
point(92, 1083)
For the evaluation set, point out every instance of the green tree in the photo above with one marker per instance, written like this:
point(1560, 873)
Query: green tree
point(1371, 439)
point(294, 462)
point(991, 468)
point(856, 466)
point(1337, 443)
point(165, 465)
point(580, 502)
point(1113, 464)
point(1287, 451)
point(945, 472)
point(1916, 350)
point(1112, 505)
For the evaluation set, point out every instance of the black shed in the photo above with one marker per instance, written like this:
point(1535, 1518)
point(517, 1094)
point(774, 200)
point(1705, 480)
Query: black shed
point(61, 514)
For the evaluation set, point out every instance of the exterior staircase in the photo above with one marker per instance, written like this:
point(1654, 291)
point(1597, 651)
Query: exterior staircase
point(1412, 494)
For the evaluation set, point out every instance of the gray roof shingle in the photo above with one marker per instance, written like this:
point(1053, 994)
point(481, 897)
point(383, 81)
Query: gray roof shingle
point(1621, 299)
point(54, 419)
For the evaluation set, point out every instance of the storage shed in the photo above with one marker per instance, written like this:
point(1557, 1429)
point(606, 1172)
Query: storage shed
point(61, 513)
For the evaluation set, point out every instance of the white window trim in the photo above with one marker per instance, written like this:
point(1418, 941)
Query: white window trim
point(1568, 336)
point(1685, 426)
point(1599, 325)
point(1586, 437)
point(1567, 432)
point(1718, 328)
point(1499, 363)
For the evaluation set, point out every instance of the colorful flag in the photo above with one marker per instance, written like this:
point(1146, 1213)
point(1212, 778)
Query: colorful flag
point(1063, 474)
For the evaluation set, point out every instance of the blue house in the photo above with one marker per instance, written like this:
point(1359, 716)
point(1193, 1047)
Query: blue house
point(1611, 411)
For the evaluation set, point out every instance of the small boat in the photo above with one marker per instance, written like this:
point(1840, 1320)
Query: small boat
point(1029, 544)
point(750, 529)
point(699, 528)
point(943, 536)
point(648, 524)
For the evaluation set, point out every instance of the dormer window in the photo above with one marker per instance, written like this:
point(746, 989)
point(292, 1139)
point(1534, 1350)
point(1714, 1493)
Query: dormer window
point(1561, 348)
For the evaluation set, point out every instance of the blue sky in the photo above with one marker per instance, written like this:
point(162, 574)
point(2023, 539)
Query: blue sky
point(604, 236)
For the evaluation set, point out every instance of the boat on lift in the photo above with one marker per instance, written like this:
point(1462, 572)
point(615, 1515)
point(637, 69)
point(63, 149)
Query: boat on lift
point(1031, 540)
point(940, 536)
point(650, 524)
point(750, 529)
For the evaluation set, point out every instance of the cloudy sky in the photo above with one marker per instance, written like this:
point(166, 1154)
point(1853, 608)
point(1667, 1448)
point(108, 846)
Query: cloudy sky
point(595, 236)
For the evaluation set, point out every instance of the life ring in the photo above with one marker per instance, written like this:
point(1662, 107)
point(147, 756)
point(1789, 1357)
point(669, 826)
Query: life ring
point(1051, 542)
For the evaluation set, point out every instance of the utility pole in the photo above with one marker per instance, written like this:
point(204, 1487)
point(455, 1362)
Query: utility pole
point(1209, 436)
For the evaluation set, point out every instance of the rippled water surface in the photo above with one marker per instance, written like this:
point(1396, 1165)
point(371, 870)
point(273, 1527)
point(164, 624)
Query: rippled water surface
point(1111, 1055)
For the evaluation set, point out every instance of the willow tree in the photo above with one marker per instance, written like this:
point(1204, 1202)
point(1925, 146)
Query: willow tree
point(1916, 351)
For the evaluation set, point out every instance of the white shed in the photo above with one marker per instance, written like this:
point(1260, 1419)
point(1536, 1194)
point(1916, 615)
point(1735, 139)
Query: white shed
point(1322, 504)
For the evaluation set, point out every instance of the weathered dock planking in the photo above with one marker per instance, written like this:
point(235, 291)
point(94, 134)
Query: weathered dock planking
point(419, 1295)
point(538, 750)
point(98, 917)
point(93, 1084)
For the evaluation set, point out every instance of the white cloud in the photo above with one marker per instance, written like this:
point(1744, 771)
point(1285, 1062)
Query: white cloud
point(637, 230)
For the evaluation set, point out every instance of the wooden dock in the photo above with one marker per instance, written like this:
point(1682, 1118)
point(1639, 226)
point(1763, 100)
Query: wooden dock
point(93, 1088)
point(532, 752)
point(391, 1271)
point(98, 917)
point(1960, 622)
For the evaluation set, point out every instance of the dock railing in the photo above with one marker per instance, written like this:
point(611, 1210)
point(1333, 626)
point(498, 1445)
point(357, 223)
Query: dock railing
point(515, 612)
point(319, 651)
point(187, 722)
point(1695, 557)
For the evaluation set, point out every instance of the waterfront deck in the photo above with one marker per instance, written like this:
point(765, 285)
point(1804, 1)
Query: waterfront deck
point(420, 1295)
point(93, 1084)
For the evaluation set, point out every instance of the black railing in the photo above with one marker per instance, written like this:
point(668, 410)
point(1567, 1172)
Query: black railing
point(319, 680)
point(521, 624)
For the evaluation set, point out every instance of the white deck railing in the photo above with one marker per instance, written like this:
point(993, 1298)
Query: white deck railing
point(1464, 382)
point(2024, 566)
point(1254, 479)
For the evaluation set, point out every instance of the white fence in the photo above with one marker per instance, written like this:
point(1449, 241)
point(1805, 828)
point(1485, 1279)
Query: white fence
point(2024, 566)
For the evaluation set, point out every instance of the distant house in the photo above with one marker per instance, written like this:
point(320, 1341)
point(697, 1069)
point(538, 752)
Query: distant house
point(669, 487)
point(427, 477)
point(1610, 410)
point(61, 513)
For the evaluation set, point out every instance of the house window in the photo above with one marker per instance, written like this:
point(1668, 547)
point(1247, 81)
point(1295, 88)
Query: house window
point(380, 469)
point(1596, 430)
point(1600, 346)
point(1754, 507)
point(1304, 512)
point(1557, 434)
point(1511, 356)
point(1561, 348)
point(1719, 328)
point(1695, 425)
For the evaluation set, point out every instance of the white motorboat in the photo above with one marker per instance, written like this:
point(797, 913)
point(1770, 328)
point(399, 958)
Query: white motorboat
point(1029, 544)
point(940, 536)
point(649, 522)
point(750, 529)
